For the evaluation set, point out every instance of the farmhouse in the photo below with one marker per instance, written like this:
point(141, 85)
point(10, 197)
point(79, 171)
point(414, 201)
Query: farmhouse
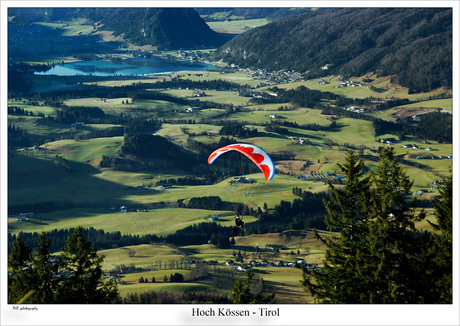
point(114, 276)
point(214, 218)
point(273, 247)
point(26, 215)
point(242, 180)
point(243, 268)
point(165, 185)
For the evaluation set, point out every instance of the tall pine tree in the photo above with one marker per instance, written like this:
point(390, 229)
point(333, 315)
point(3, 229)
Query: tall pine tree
point(341, 278)
point(83, 268)
point(41, 278)
point(377, 255)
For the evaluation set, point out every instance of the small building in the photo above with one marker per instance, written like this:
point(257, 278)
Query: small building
point(114, 276)
point(26, 215)
point(273, 247)
point(229, 262)
point(243, 268)
point(214, 218)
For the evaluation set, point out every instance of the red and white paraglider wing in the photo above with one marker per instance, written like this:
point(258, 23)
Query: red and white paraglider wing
point(254, 153)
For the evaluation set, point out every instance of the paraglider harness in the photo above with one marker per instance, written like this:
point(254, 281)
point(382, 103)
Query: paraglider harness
point(239, 224)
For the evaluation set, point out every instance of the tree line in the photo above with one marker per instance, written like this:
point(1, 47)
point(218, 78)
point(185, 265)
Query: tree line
point(75, 277)
point(192, 235)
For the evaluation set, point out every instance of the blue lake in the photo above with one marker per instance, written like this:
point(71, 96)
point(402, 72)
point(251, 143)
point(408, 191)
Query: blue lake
point(127, 67)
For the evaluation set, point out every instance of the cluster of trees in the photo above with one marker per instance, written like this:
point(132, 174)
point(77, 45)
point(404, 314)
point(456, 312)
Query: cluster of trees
point(15, 110)
point(187, 181)
point(180, 83)
point(207, 202)
point(221, 241)
point(374, 248)
point(200, 234)
point(191, 235)
point(99, 238)
point(75, 277)
point(59, 160)
point(305, 212)
point(148, 147)
point(238, 130)
point(242, 293)
point(17, 137)
point(434, 126)
point(71, 114)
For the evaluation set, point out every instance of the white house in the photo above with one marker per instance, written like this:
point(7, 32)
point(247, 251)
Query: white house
point(243, 268)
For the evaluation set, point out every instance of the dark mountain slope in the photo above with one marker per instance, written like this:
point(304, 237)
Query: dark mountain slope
point(170, 28)
point(167, 28)
point(415, 44)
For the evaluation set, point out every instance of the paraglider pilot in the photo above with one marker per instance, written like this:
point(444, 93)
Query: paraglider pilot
point(238, 221)
point(239, 225)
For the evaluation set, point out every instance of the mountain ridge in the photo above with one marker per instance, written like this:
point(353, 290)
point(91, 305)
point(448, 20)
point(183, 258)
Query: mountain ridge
point(165, 28)
point(414, 44)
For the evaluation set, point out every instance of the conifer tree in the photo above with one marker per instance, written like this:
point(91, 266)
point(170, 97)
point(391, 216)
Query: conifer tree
point(441, 250)
point(378, 255)
point(242, 294)
point(341, 277)
point(83, 268)
point(20, 281)
point(396, 245)
point(45, 268)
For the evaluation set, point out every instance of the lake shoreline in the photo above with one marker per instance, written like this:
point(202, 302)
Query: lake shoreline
point(132, 67)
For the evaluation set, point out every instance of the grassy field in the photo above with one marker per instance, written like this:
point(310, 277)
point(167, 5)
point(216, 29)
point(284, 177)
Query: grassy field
point(86, 195)
point(239, 77)
point(160, 222)
point(388, 89)
point(159, 258)
point(236, 26)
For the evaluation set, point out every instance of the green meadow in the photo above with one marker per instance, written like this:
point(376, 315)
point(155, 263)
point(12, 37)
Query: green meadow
point(152, 221)
point(91, 196)
point(236, 26)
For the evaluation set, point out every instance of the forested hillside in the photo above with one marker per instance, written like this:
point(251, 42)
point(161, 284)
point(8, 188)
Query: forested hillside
point(414, 44)
point(166, 28)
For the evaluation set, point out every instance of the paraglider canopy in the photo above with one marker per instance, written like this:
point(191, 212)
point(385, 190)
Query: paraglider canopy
point(254, 153)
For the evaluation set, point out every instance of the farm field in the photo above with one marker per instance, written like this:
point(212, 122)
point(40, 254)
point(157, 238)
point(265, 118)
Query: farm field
point(158, 261)
point(231, 26)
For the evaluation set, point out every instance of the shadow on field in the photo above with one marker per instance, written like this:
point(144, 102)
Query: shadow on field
point(244, 248)
point(33, 181)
